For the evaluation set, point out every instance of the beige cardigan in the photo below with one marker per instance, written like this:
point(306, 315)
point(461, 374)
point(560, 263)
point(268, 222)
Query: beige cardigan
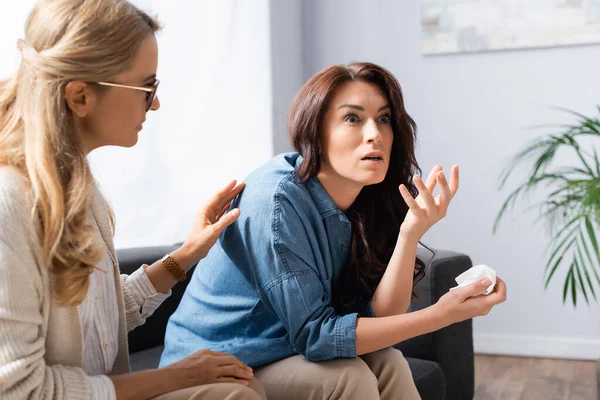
point(41, 344)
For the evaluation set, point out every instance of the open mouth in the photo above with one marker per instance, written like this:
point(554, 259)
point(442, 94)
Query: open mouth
point(372, 158)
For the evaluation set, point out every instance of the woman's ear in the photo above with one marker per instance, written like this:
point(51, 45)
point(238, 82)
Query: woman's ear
point(80, 98)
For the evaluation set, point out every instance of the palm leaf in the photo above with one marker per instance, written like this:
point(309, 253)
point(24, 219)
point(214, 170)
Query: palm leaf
point(566, 237)
point(573, 287)
point(589, 257)
point(567, 285)
point(592, 236)
point(571, 206)
point(581, 265)
point(577, 269)
point(557, 262)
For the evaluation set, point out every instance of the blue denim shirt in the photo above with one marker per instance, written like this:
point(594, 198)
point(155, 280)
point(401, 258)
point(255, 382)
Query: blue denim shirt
point(263, 293)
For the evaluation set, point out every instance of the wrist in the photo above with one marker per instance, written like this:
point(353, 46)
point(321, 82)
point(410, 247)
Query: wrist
point(438, 317)
point(407, 237)
point(171, 378)
point(184, 257)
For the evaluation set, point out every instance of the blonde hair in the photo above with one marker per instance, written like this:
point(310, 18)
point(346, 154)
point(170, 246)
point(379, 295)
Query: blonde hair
point(65, 40)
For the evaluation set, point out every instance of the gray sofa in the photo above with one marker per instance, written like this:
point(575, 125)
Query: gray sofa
point(442, 362)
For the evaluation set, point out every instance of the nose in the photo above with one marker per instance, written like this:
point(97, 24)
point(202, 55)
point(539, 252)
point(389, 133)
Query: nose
point(372, 133)
point(155, 104)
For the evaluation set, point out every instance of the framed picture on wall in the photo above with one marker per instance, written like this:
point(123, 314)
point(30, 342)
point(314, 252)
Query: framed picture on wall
point(458, 26)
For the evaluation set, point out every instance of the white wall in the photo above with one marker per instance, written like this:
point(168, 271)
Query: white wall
point(287, 65)
point(473, 110)
point(214, 124)
point(11, 29)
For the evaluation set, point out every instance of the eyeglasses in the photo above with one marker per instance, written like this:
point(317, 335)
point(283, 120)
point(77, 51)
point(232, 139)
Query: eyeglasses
point(150, 90)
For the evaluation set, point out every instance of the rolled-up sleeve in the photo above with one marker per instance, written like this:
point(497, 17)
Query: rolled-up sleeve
point(102, 388)
point(141, 297)
point(314, 328)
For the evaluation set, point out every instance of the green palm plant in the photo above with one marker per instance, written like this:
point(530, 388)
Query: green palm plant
point(571, 209)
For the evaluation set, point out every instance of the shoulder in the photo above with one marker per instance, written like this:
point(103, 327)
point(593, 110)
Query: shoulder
point(268, 177)
point(15, 193)
point(274, 186)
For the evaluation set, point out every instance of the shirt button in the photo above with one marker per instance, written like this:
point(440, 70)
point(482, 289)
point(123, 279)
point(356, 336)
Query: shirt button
point(105, 345)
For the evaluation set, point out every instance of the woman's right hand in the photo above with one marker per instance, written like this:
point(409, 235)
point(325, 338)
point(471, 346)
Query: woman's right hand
point(462, 303)
point(206, 366)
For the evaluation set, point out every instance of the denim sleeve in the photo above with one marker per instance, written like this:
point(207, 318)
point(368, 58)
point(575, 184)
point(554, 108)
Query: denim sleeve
point(302, 304)
point(278, 244)
point(283, 247)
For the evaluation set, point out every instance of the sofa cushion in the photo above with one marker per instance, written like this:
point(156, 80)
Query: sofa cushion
point(429, 378)
point(146, 359)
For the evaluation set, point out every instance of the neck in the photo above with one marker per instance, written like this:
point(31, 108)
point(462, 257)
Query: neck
point(342, 192)
point(87, 149)
point(84, 137)
point(86, 143)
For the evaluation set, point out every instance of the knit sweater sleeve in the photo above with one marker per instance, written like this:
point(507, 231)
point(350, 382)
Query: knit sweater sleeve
point(140, 296)
point(24, 304)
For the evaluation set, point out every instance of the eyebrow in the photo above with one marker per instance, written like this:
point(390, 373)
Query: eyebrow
point(357, 107)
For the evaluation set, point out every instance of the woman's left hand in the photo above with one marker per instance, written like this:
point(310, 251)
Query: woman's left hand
point(426, 210)
point(211, 220)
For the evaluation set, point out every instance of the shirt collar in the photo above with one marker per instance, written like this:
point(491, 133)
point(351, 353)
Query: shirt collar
point(321, 198)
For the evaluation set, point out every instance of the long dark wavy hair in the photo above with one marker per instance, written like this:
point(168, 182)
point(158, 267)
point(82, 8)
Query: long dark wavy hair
point(379, 209)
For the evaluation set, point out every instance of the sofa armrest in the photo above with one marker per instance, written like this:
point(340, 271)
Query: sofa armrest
point(450, 347)
point(152, 333)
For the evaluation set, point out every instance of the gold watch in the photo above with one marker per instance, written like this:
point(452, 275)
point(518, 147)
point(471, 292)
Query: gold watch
point(173, 268)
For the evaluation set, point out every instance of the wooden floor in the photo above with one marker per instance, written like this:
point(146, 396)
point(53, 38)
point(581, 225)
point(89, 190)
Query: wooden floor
point(520, 378)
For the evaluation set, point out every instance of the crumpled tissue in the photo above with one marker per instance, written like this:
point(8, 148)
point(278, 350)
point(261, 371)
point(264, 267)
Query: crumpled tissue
point(475, 274)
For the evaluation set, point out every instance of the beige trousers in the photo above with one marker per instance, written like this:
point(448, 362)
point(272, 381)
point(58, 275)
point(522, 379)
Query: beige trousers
point(380, 375)
point(218, 391)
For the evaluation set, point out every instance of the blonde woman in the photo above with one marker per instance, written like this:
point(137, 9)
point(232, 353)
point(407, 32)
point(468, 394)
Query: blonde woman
point(86, 80)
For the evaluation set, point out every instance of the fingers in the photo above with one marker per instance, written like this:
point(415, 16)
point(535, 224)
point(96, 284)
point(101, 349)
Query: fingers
point(500, 287)
point(434, 176)
point(424, 192)
point(445, 192)
point(473, 289)
point(431, 178)
point(225, 208)
point(226, 220)
point(225, 195)
point(234, 192)
point(227, 189)
point(410, 201)
point(229, 360)
point(234, 371)
point(499, 293)
point(454, 181)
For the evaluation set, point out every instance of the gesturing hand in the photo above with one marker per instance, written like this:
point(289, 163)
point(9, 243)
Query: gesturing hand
point(426, 210)
point(211, 220)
